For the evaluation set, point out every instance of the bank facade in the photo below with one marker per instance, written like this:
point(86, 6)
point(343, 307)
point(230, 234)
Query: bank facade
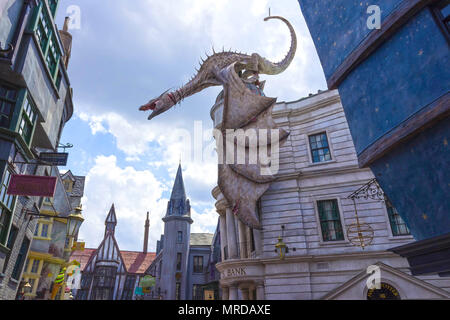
point(309, 209)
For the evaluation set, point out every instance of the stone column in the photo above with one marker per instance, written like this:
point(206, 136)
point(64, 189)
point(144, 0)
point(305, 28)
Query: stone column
point(231, 235)
point(223, 235)
point(258, 242)
point(225, 293)
point(233, 293)
point(251, 296)
point(248, 234)
point(242, 240)
point(245, 294)
point(260, 294)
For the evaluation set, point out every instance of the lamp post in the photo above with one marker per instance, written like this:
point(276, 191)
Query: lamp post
point(281, 248)
point(74, 222)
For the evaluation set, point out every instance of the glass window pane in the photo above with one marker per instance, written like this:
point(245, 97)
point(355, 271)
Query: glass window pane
point(330, 220)
point(319, 148)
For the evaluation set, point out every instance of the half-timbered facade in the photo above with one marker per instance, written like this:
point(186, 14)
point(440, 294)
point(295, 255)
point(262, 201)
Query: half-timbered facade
point(109, 273)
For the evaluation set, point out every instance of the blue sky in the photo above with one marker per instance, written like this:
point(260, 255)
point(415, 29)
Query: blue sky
point(127, 52)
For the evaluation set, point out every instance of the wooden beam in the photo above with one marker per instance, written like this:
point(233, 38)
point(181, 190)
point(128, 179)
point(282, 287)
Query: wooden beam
point(425, 118)
point(401, 15)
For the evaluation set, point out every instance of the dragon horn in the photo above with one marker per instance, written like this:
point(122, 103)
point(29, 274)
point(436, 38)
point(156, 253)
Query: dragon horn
point(267, 67)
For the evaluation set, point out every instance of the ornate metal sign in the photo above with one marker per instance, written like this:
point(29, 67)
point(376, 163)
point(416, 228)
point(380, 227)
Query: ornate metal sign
point(370, 190)
point(54, 158)
point(360, 233)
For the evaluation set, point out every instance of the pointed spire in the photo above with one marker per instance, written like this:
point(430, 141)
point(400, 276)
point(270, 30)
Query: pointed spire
point(178, 191)
point(111, 220)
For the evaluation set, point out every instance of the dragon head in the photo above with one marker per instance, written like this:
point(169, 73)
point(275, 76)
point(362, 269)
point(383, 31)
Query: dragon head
point(159, 105)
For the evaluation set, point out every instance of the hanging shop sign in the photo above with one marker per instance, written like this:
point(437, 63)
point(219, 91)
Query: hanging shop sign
point(54, 158)
point(147, 282)
point(32, 186)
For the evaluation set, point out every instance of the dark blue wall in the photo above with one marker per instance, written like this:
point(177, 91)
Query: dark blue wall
point(338, 26)
point(408, 72)
point(405, 74)
point(416, 176)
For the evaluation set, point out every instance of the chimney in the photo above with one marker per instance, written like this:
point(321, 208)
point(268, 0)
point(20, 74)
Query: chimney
point(147, 225)
point(66, 38)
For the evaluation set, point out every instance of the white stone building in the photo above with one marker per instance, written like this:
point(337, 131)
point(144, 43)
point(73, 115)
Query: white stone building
point(308, 206)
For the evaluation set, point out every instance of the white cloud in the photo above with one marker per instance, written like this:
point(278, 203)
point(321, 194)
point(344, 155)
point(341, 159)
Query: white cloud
point(152, 45)
point(133, 193)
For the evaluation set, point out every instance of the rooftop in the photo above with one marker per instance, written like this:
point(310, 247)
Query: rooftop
point(135, 262)
point(201, 239)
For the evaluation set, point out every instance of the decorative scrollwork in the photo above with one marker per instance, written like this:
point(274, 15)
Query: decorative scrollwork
point(370, 190)
point(360, 233)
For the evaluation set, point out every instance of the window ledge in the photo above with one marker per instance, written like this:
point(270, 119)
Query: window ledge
point(394, 238)
point(14, 281)
point(334, 243)
point(41, 238)
point(321, 163)
point(4, 249)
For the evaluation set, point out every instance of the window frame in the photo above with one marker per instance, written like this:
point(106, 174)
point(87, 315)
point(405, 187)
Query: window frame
point(4, 207)
point(28, 116)
point(196, 288)
point(392, 236)
point(48, 222)
point(128, 287)
point(104, 282)
point(436, 12)
point(178, 237)
point(19, 265)
point(309, 149)
point(6, 99)
point(178, 291)
point(43, 27)
point(12, 237)
point(319, 224)
point(179, 261)
point(196, 265)
point(53, 6)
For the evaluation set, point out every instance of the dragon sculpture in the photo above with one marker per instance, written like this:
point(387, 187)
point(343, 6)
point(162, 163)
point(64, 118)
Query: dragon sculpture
point(241, 184)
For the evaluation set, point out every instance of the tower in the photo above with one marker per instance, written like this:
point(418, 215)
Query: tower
point(177, 228)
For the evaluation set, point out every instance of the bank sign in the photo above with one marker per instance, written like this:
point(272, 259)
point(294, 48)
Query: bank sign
point(32, 186)
point(233, 272)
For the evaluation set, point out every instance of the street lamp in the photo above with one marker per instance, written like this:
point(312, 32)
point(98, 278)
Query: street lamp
point(281, 248)
point(27, 287)
point(74, 222)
